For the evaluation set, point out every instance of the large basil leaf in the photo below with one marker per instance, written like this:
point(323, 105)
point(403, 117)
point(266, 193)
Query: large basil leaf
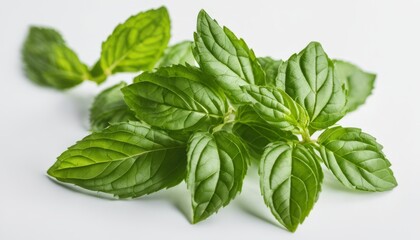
point(109, 107)
point(176, 98)
point(290, 182)
point(311, 80)
point(359, 84)
point(126, 159)
point(277, 108)
point(48, 61)
point(217, 164)
point(137, 44)
point(356, 159)
point(221, 54)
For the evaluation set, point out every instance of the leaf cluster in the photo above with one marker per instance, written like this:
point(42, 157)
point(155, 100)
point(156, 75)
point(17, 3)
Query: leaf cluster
point(203, 111)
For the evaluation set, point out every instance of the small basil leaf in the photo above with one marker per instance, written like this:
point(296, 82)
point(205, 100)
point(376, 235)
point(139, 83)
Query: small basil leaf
point(274, 71)
point(217, 164)
point(359, 84)
point(277, 108)
point(180, 53)
point(311, 80)
point(109, 107)
point(356, 159)
point(221, 54)
point(176, 98)
point(290, 182)
point(48, 61)
point(256, 132)
point(126, 159)
point(138, 43)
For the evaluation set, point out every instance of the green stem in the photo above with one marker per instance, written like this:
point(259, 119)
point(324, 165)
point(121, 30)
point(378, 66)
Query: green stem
point(306, 136)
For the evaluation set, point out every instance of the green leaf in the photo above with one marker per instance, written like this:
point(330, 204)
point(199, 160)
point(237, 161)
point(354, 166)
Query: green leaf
point(359, 84)
point(48, 61)
point(290, 182)
point(256, 132)
point(109, 107)
point(277, 108)
point(217, 164)
point(311, 80)
point(356, 159)
point(126, 159)
point(180, 53)
point(176, 98)
point(221, 54)
point(138, 43)
point(274, 71)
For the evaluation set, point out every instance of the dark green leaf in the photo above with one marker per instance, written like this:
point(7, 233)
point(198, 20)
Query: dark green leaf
point(48, 61)
point(359, 84)
point(180, 53)
point(290, 182)
point(277, 108)
point(109, 107)
point(356, 159)
point(138, 43)
point(176, 98)
point(217, 164)
point(221, 54)
point(311, 80)
point(126, 159)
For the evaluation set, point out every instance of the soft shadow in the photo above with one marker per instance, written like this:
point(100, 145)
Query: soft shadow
point(177, 196)
point(83, 191)
point(247, 207)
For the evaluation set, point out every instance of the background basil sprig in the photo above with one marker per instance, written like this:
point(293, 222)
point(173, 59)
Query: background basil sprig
point(207, 110)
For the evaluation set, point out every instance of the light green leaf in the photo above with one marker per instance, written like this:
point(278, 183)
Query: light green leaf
point(180, 53)
point(290, 182)
point(176, 98)
point(311, 80)
point(274, 71)
point(359, 84)
point(48, 61)
point(356, 159)
point(126, 159)
point(217, 164)
point(109, 107)
point(221, 54)
point(256, 132)
point(138, 43)
point(277, 108)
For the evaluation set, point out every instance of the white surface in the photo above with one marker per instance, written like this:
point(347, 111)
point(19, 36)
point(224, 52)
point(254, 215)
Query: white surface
point(37, 124)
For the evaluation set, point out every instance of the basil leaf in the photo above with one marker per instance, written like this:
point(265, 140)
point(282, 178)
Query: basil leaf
point(126, 159)
point(359, 84)
point(221, 54)
point(109, 107)
point(356, 159)
point(138, 43)
point(277, 108)
point(217, 164)
point(48, 61)
point(274, 71)
point(256, 132)
point(290, 182)
point(180, 53)
point(311, 80)
point(176, 98)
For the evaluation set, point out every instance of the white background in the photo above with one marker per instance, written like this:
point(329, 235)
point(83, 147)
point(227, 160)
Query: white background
point(37, 124)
